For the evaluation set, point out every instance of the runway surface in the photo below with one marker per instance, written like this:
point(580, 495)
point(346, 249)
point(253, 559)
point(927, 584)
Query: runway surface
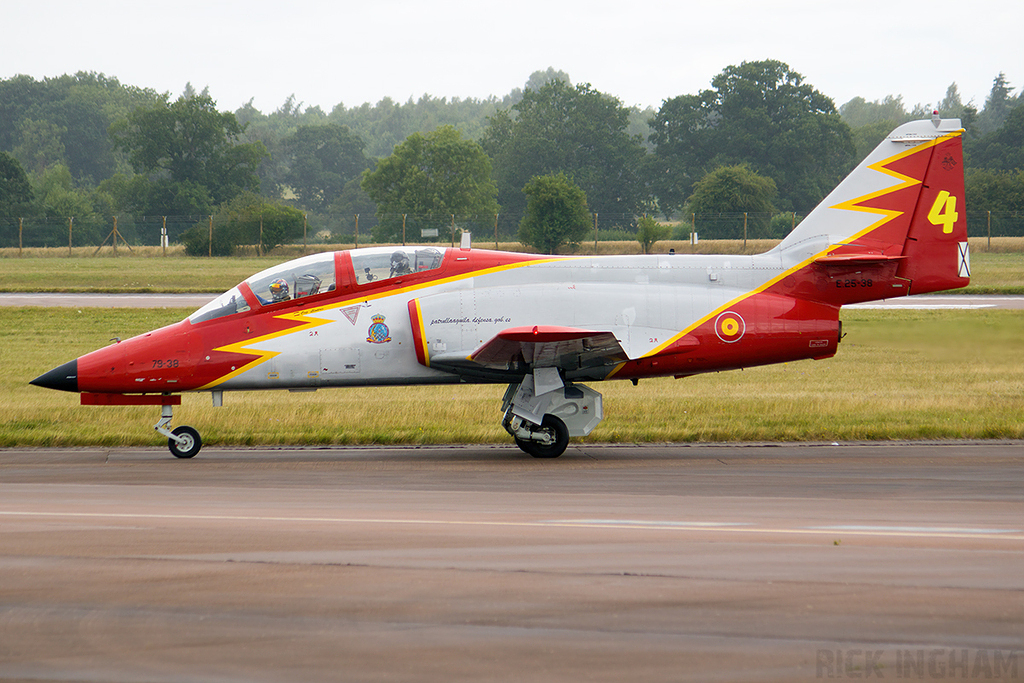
point(611, 563)
point(961, 301)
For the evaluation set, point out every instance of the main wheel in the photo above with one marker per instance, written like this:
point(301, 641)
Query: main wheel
point(190, 444)
point(557, 429)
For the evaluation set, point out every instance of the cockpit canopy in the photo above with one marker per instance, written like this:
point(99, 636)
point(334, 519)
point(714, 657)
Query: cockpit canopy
point(382, 263)
point(316, 274)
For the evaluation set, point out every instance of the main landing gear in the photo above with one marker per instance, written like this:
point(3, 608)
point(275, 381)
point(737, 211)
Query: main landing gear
point(183, 441)
point(543, 411)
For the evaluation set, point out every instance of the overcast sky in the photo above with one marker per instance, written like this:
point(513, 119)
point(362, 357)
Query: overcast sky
point(327, 52)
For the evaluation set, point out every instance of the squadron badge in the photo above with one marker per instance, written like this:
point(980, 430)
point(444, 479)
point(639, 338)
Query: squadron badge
point(378, 332)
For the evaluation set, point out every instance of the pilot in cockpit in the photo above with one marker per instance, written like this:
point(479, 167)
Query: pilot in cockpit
point(279, 290)
point(400, 264)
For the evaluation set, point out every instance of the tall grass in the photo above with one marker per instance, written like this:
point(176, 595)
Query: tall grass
point(898, 375)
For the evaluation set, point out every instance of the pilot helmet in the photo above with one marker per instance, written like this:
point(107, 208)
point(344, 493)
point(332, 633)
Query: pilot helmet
point(279, 289)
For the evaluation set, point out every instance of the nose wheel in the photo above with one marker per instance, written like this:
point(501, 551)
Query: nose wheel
point(184, 441)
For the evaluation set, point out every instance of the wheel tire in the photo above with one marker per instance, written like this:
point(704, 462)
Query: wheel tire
point(553, 450)
point(191, 446)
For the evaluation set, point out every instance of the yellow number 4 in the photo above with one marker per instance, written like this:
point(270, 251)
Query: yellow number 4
point(943, 212)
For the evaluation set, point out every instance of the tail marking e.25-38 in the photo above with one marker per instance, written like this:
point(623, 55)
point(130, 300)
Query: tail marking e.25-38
point(544, 325)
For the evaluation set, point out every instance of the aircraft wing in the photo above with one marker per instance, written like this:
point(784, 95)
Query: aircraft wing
point(540, 346)
point(548, 346)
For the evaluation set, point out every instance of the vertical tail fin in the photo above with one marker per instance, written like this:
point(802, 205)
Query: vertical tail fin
point(904, 203)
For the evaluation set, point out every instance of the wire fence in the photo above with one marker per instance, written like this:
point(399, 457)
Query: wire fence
point(125, 232)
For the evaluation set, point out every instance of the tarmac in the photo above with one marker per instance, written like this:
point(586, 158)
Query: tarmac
point(750, 562)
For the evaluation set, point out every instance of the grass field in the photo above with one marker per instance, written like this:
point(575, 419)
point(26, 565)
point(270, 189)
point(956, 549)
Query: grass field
point(898, 375)
point(996, 269)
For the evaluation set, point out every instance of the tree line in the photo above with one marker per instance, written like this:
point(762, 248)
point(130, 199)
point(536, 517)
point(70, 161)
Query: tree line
point(546, 157)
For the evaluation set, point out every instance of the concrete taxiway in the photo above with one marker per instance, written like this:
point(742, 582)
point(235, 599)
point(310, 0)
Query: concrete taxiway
point(611, 563)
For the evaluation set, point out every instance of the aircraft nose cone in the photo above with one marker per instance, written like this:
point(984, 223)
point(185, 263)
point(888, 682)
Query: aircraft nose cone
point(63, 378)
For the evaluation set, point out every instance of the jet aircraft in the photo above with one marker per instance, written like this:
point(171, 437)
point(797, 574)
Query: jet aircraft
point(544, 325)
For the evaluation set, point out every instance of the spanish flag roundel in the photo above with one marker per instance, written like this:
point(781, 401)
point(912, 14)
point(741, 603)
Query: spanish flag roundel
point(730, 327)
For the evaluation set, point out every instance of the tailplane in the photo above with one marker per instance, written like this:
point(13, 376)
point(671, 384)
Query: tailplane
point(902, 206)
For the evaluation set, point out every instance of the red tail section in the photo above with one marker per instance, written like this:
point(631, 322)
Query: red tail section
point(895, 226)
point(936, 252)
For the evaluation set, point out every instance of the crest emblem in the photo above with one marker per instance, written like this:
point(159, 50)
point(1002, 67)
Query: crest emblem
point(378, 332)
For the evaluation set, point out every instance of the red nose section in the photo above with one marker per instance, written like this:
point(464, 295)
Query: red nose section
point(163, 360)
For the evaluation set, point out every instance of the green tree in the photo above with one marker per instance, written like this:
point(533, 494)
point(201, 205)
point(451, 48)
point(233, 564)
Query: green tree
point(438, 174)
point(556, 213)
point(578, 131)
point(39, 145)
point(1001, 149)
point(997, 105)
point(247, 219)
point(323, 160)
point(58, 197)
point(993, 190)
point(890, 110)
point(188, 149)
point(758, 113)
point(649, 231)
point(15, 190)
point(952, 107)
point(81, 107)
point(732, 189)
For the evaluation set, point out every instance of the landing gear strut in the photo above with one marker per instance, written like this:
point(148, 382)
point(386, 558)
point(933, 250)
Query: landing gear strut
point(183, 441)
point(543, 411)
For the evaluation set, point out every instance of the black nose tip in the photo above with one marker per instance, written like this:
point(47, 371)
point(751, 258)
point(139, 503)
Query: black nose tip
point(64, 378)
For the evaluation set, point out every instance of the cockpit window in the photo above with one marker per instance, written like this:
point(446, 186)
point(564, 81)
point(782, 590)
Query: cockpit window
point(302, 277)
point(228, 303)
point(372, 265)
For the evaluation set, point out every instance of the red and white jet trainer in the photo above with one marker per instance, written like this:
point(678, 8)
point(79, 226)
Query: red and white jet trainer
point(542, 325)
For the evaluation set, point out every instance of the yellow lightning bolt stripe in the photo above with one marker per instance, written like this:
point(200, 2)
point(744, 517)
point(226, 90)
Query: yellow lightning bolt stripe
point(851, 205)
point(304, 317)
point(906, 181)
point(309, 321)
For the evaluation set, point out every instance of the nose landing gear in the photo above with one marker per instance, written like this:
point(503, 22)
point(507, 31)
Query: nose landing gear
point(183, 441)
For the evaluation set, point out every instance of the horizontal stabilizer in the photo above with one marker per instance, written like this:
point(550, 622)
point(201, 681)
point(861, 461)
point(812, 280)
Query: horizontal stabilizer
point(857, 259)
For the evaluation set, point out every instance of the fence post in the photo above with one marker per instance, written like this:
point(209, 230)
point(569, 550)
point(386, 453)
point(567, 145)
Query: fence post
point(990, 231)
point(259, 247)
point(163, 236)
point(744, 231)
point(403, 229)
point(305, 246)
point(210, 252)
point(595, 234)
point(70, 221)
point(495, 232)
point(20, 226)
point(357, 231)
point(453, 231)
